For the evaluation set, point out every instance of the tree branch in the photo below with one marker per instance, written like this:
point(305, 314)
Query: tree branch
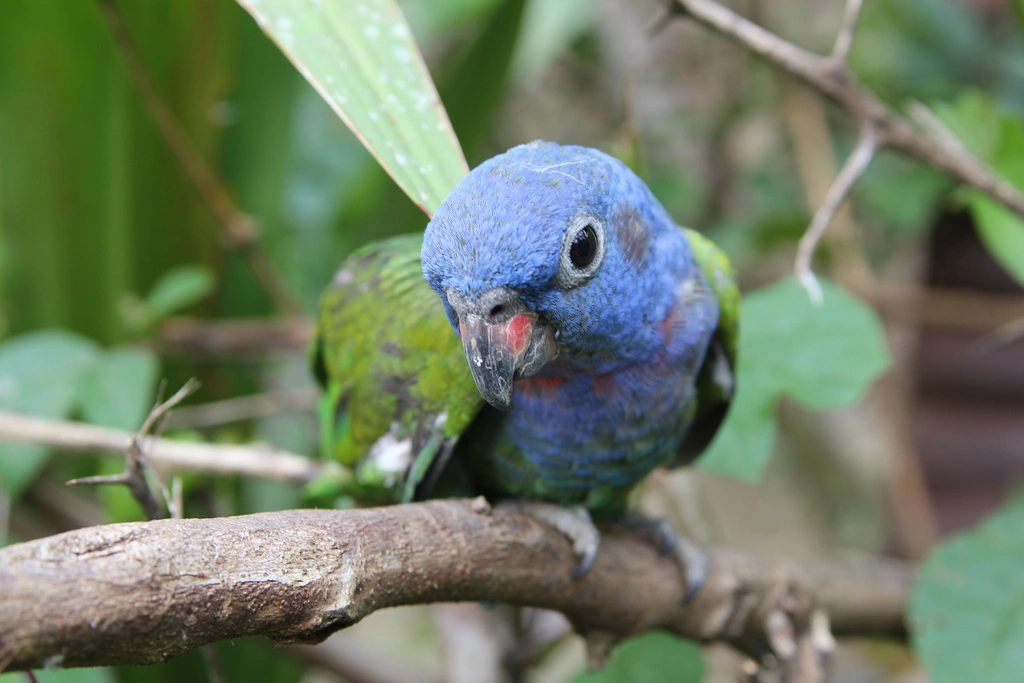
point(844, 39)
point(851, 172)
point(135, 468)
point(240, 408)
point(831, 76)
point(254, 460)
point(146, 592)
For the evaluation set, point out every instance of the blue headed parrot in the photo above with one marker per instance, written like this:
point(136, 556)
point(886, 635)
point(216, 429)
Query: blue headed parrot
point(550, 339)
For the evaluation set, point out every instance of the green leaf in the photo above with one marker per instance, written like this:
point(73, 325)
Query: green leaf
point(177, 289)
point(1002, 232)
point(94, 675)
point(967, 607)
point(1000, 229)
point(473, 91)
point(39, 375)
point(823, 356)
point(118, 390)
point(997, 138)
point(654, 657)
point(361, 57)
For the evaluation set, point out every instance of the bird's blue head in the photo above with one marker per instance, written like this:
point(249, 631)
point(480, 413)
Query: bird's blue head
point(554, 258)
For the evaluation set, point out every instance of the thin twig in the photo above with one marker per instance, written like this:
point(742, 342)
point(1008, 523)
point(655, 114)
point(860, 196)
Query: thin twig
point(154, 425)
point(134, 478)
point(237, 339)
point(1002, 336)
point(237, 230)
point(852, 170)
point(473, 647)
point(169, 455)
point(135, 469)
point(815, 155)
point(160, 409)
point(660, 21)
point(928, 121)
point(245, 408)
point(541, 630)
point(844, 39)
point(214, 664)
point(175, 502)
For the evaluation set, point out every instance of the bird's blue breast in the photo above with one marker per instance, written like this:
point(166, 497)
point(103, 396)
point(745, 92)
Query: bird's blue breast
point(603, 431)
point(570, 434)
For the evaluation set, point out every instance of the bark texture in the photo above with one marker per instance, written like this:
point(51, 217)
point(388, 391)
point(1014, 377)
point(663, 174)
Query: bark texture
point(140, 593)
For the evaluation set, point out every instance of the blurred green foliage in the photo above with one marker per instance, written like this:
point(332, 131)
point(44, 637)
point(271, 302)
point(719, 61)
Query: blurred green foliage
point(177, 289)
point(997, 137)
point(41, 375)
point(823, 356)
point(102, 235)
point(94, 206)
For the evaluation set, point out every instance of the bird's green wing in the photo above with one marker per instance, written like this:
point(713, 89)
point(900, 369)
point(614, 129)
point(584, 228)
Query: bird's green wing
point(716, 382)
point(397, 389)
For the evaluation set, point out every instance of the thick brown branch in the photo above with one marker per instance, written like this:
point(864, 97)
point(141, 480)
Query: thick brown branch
point(146, 592)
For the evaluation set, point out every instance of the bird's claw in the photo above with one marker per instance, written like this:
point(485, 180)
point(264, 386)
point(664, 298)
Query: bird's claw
point(574, 523)
point(693, 564)
point(586, 558)
point(799, 646)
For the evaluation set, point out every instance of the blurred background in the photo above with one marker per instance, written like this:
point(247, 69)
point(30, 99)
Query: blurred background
point(110, 229)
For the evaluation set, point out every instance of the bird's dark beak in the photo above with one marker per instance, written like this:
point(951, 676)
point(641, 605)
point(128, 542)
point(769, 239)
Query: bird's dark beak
point(503, 341)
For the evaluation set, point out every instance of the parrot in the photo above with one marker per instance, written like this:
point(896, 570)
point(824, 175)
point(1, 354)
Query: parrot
point(550, 339)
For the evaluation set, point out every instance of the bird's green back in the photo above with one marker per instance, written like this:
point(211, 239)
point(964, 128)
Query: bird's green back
point(716, 381)
point(720, 276)
point(398, 391)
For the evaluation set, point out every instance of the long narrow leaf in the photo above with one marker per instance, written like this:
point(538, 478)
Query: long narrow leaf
point(361, 57)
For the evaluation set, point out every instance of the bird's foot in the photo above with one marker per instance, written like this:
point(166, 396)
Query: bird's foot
point(693, 563)
point(573, 522)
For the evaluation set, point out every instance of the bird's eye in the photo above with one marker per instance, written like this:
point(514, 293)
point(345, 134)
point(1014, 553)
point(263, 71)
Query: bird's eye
point(582, 251)
point(584, 247)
